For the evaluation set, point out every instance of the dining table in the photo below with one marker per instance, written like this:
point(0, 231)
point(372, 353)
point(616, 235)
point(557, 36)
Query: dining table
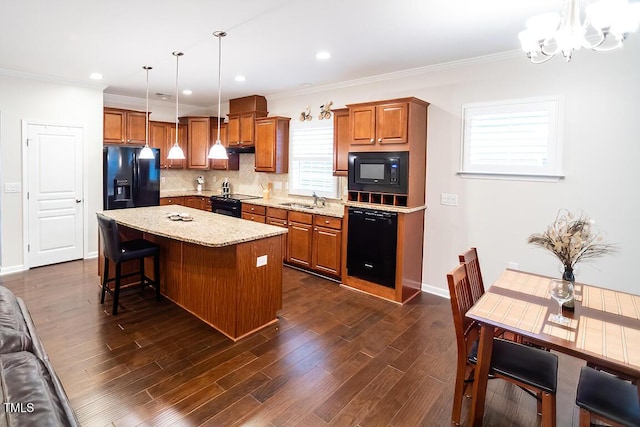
point(603, 328)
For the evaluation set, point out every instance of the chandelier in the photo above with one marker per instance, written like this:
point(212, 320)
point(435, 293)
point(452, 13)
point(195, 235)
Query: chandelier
point(606, 26)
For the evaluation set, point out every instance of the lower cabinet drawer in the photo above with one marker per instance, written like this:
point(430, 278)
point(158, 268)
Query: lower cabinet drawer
point(253, 217)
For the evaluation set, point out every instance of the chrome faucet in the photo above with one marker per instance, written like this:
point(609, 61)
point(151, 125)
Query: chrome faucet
point(317, 199)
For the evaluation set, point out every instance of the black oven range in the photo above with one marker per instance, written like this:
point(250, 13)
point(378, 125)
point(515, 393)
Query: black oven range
point(229, 204)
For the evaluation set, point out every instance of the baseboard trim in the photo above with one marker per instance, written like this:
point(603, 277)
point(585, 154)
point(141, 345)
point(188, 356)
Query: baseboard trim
point(91, 255)
point(435, 290)
point(10, 270)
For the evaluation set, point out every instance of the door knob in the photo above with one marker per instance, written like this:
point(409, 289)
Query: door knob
point(78, 200)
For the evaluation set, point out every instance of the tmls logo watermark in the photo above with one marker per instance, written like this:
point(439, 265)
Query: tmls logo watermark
point(22, 408)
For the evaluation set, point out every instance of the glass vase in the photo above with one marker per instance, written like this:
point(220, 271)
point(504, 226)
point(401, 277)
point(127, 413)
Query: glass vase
point(569, 276)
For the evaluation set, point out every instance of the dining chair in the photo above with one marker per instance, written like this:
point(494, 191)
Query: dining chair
point(531, 369)
point(605, 397)
point(474, 274)
point(117, 251)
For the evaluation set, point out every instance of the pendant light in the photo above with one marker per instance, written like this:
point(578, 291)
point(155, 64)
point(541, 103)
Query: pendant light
point(176, 152)
point(217, 150)
point(147, 153)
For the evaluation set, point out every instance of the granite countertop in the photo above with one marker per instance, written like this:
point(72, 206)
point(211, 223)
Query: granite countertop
point(387, 208)
point(206, 229)
point(181, 193)
point(333, 209)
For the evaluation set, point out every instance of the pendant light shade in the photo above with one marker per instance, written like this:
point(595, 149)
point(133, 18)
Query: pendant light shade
point(217, 150)
point(176, 152)
point(146, 153)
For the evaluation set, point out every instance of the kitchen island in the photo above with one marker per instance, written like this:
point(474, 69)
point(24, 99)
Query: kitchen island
point(224, 270)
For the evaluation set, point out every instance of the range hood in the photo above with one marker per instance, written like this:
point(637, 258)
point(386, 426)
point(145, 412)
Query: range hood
point(250, 149)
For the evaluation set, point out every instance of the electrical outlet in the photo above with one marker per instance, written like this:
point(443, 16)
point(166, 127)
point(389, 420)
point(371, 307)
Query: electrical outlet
point(163, 179)
point(12, 187)
point(261, 260)
point(449, 199)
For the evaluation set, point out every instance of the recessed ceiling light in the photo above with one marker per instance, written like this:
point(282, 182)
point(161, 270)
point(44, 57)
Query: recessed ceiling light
point(96, 76)
point(323, 55)
point(187, 92)
point(240, 78)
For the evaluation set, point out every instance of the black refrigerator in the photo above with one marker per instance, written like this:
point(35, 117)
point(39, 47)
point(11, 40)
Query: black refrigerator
point(130, 182)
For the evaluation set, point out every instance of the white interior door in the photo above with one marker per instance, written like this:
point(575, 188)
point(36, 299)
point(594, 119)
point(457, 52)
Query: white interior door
point(55, 194)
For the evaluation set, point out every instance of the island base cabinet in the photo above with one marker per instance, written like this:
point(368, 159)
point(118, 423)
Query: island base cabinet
point(224, 286)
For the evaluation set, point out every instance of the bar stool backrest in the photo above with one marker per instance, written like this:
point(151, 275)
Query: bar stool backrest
point(110, 237)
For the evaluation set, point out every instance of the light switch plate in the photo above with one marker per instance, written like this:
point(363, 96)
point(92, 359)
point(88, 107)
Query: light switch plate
point(449, 199)
point(12, 187)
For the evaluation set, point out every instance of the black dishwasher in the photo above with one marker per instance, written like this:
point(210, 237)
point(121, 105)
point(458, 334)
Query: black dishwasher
point(371, 245)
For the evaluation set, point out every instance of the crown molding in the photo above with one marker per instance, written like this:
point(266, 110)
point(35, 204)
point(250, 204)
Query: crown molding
point(412, 72)
point(51, 79)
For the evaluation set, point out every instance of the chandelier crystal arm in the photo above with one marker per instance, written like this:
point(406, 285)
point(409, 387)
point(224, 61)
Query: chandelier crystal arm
point(607, 25)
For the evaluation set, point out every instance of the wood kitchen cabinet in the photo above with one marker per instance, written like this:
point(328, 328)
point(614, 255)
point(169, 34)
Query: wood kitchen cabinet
point(341, 141)
point(241, 129)
point(172, 201)
point(162, 135)
point(254, 213)
point(300, 239)
point(198, 202)
point(272, 144)
point(379, 124)
point(279, 218)
point(124, 126)
point(231, 164)
point(198, 141)
point(243, 113)
point(326, 253)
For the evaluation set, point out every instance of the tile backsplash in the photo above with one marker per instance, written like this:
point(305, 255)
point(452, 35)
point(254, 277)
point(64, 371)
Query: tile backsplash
point(244, 181)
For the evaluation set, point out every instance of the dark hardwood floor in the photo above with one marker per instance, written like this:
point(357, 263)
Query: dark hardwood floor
point(336, 357)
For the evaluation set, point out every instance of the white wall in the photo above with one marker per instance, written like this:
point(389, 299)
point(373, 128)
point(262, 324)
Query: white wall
point(601, 151)
point(44, 102)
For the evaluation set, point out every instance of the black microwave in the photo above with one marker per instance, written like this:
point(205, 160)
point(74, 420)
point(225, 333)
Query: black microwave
point(385, 172)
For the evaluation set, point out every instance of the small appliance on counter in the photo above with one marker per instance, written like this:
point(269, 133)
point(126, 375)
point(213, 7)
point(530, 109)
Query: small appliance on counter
point(229, 204)
point(128, 181)
point(226, 187)
point(200, 183)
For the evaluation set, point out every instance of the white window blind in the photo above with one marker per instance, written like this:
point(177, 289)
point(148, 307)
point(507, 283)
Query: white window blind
point(518, 137)
point(311, 162)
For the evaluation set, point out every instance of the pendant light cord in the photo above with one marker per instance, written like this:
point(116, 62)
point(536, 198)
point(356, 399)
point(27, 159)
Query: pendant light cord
point(147, 68)
point(177, 55)
point(219, 35)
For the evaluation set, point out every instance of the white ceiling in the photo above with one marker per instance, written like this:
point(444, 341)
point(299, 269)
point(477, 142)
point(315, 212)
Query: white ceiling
point(271, 42)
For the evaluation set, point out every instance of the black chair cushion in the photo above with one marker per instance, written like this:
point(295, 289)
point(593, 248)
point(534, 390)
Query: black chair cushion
point(532, 366)
point(608, 396)
point(138, 248)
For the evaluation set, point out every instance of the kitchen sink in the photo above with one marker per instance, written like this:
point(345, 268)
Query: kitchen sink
point(297, 205)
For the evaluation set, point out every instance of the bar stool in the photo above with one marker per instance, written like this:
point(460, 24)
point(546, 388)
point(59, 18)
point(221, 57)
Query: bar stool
point(117, 251)
point(604, 397)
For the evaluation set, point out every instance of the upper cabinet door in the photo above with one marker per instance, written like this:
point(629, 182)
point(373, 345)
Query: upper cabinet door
point(158, 139)
point(198, 136)
point(363, 125)
point(136, 127)
point(114, 126)
point(340, 141)
point(392, 123)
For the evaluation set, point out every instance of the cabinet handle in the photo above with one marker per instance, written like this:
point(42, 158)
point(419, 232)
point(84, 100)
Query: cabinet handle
point(373, 140)
point(252, 209)
point(326, 221)
point(379, 139)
